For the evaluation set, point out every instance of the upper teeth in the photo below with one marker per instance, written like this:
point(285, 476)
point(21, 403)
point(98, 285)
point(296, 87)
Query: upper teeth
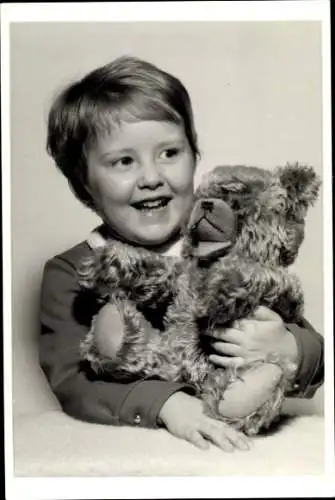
point(152, 204)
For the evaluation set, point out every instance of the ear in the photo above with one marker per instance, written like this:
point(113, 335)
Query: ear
point(301, 183)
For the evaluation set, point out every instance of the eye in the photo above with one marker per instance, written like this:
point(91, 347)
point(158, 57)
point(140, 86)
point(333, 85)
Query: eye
point(125, 161)
point(169, 153)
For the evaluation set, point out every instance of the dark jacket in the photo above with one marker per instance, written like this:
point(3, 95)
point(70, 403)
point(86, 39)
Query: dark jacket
point(66, 317)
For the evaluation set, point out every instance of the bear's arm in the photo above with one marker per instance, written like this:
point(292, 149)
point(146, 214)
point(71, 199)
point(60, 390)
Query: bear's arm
point(235, 287)
point(82, 394)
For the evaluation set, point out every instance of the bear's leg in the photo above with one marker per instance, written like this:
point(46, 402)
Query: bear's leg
point(250, 390)
point(254, 401)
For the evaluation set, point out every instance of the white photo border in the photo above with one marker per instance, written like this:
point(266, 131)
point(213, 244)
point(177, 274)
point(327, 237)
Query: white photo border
point(174, 487)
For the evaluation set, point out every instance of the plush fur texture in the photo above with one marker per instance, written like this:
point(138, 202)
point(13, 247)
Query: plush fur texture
point(245, 230)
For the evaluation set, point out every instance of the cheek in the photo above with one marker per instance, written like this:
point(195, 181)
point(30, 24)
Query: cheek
point(181, 178)
point(112, 188)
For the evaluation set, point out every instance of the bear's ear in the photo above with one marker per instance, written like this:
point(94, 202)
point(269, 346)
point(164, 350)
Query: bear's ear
point(227, 181)
point(233, 187)
point(301, 183)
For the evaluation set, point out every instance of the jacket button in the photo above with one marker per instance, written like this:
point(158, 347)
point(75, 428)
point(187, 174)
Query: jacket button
point(137, 419)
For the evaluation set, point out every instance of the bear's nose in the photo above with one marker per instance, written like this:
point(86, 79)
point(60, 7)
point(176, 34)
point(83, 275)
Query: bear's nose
point(207, 205)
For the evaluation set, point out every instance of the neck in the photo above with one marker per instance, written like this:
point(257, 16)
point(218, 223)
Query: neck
point(109, 233)
point(162, 248)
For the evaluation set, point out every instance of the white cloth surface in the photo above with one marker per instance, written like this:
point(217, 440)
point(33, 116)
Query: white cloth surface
point(51, 444)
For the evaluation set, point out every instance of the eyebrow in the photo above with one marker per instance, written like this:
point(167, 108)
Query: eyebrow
point(169, 141)
point(117, 152)
point(125, 151)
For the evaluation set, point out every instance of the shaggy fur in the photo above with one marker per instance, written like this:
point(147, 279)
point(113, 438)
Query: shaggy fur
point(245, 229)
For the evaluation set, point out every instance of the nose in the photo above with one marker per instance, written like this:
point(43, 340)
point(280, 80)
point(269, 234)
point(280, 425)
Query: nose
point(150, 176)
point(207, 205)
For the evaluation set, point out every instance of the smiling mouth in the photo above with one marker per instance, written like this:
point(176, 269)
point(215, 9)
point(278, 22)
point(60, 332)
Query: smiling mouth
point(152, 204)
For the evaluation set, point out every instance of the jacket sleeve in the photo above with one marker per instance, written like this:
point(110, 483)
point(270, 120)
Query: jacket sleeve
point(310, 372)
point(82, 395)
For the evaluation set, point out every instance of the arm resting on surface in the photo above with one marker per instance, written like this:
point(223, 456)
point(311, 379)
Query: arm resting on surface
point(82, 395)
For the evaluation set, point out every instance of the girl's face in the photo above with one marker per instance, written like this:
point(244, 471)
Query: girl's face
point(141, 179)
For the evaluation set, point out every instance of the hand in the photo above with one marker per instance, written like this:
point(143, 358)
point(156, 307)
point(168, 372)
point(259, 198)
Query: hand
point(183, 416)
point(254, 338)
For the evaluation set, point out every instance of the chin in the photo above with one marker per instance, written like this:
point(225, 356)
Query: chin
point(156, 239)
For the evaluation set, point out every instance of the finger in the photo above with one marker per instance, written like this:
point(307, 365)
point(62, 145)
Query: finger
point(240, 325)
point(227, 348)
point(196, 438)
point(214, 433)
point(237, 438)
point(224, 361)
point(224, 334)
point(226, 435)
point(263, 313)
point(232, 335)
point(215, 333)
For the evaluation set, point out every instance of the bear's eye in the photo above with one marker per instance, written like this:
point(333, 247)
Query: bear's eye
point(278, 205)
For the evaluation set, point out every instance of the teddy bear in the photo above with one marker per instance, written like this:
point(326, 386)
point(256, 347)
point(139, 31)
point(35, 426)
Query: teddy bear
point(244, 231)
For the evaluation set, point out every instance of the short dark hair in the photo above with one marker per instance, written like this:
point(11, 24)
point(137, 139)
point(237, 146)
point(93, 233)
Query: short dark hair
point(127, 89)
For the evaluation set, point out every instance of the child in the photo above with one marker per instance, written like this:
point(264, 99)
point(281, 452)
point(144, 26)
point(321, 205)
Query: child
point(124, 138)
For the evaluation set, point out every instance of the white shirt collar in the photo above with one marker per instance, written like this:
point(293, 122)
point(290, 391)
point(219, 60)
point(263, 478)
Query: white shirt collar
point(95, 239)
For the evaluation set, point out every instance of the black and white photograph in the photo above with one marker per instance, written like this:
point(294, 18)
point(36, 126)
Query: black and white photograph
point(167, 243)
